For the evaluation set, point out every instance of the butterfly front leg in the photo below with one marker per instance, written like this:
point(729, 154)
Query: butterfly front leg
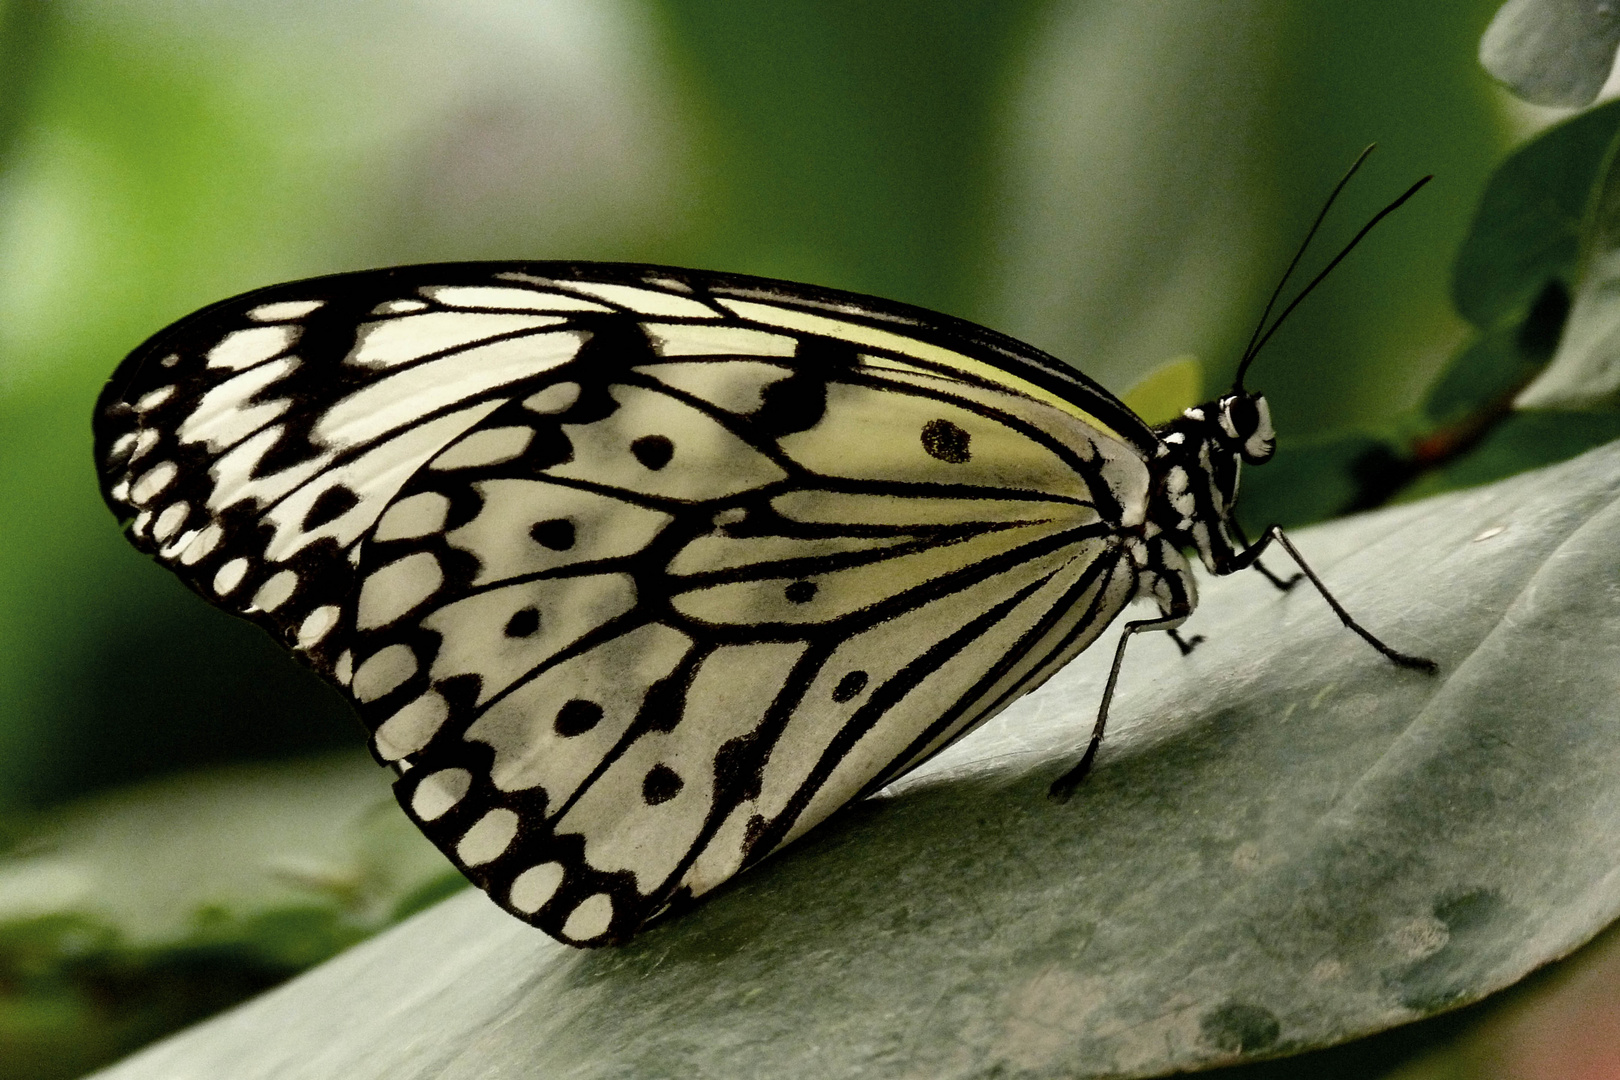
point(1250, 555)
point(1164, 577)
point(1280, 583)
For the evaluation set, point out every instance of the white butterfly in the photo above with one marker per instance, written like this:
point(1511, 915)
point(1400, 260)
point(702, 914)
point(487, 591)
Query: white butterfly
point(635, 574)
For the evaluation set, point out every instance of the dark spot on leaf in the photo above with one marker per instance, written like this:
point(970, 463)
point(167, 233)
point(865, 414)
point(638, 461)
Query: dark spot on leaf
point(524, 622)
point(1469, 910)
point(945, 441)
point(800, 592)
point(1239, 1028)
point(660, 785)
point(576, 717)
point(556, 534)
point(849, 686)
point(1472, 918)
point(330, 505)
point(653, 451)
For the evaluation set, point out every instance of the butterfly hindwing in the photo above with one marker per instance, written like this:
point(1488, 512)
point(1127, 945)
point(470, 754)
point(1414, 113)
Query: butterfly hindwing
point(635, 574)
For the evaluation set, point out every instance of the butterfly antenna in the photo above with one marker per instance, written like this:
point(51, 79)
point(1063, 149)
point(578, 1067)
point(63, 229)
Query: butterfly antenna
point(1317, 280)
point(1250, 350)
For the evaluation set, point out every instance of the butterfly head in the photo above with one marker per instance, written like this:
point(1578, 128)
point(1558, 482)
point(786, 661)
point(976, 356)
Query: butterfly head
point(1196, 470)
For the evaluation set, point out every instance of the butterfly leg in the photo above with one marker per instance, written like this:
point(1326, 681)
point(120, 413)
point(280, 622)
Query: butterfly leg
point(1249, 557)
point(1283, 584)
point(1186, 645)
point(1064, 786)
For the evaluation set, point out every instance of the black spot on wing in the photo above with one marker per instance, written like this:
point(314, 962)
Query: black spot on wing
point(945, 441)
point(660, 785)
point(576, 717)
point(525, 622)
point(798, 402)
point(800, 592)
point(556, 534)
point(849, 686)
point(332, 504)
point(653, 451)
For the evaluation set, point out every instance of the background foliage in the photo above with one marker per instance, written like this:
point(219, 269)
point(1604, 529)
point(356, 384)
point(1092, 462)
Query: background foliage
point(1116, 183)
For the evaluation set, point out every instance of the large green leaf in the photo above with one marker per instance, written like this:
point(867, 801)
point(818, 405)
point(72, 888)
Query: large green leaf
point(1585, 371)
point(1527, 230)
point(1287, 843)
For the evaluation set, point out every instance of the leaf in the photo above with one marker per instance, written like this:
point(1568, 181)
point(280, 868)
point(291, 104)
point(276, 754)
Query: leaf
point(1527, 229)
point(1552, 52)
point(1287, 843)
point(129, 915)
point(1585, 371)
point(1161, 395)
point(1486, 374)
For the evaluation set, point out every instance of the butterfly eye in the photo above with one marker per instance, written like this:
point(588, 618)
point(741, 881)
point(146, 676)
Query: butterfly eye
point(1262, 440)
point(1237, 417)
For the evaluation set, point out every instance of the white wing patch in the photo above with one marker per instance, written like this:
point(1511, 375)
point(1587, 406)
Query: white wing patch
point(645, 301)
point(402, 340)
point(531, 526)
point(244, 348)
point(699, 339)
point(500, 298)
point(501, 634)
point(371, 479)
point(405, 396)
point(654, 445)
point(285, 310)
point(223, 417)
point(559, 726)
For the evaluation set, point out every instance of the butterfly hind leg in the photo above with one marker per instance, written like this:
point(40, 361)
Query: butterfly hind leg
point(1168, 581)
point(1065, 785)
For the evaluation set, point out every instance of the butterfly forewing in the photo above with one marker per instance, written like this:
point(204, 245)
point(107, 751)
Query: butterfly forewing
point(635, 574)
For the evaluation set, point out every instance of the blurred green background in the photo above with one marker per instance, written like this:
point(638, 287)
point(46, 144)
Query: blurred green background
point(1117, 183)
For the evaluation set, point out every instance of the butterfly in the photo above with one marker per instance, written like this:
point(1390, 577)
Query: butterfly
point(634, 574)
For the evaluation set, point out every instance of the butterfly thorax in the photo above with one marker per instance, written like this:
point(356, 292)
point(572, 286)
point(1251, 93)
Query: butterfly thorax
point(1196, 470)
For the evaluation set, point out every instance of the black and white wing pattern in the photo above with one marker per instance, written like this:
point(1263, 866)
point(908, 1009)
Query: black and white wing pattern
point(634, 574)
